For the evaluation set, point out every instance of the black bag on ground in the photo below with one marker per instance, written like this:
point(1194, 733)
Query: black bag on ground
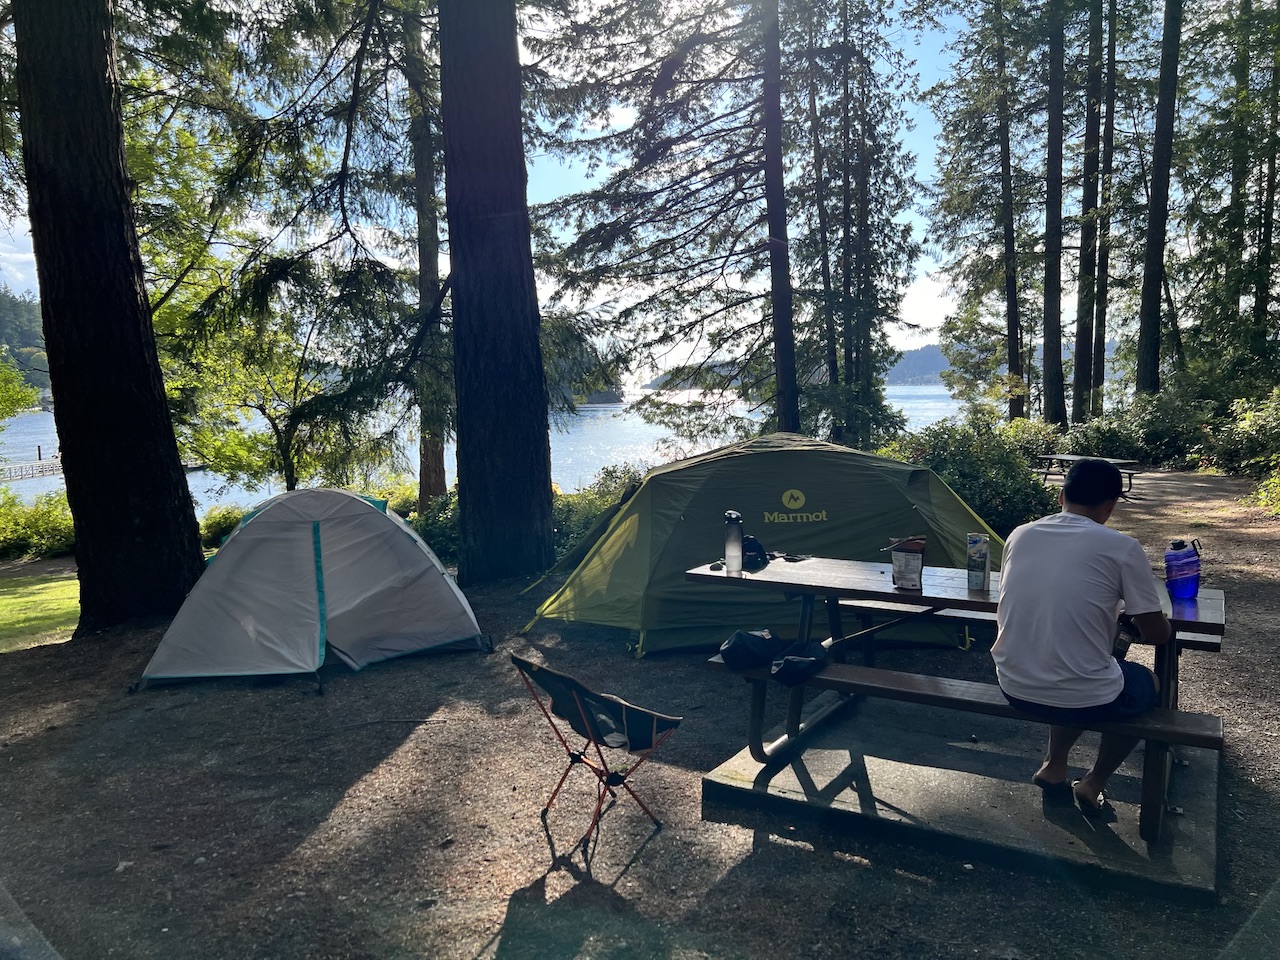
point(751, 648)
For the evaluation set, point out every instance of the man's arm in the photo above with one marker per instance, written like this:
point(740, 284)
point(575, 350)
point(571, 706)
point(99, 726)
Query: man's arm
point(1154, 628)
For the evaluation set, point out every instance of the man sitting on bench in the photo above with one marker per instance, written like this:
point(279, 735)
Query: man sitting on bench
point(1061, 586)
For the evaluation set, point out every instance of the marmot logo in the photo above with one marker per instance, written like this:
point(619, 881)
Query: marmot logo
point(793, 499)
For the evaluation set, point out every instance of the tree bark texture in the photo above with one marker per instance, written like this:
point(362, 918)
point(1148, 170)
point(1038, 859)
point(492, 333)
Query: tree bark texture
point(1262, 297)
point(1055, 405)
point(1147, 379)
point(433, 375)
point(1103, 282)
point(137, 542)
point(784, 341)
point(1013, 321)
point(1082, 390)
point(1237, 200)
point(824, 235)
point(504, 456)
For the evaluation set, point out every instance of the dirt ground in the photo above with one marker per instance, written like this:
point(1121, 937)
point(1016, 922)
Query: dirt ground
point(397, 815)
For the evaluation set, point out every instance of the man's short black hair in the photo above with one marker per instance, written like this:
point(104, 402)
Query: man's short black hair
point(1091, 482)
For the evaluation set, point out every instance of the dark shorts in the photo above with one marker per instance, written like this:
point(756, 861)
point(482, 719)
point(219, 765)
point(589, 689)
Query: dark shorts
point(1138, 696)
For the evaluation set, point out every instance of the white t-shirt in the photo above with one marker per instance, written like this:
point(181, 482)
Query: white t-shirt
point(1064, 580)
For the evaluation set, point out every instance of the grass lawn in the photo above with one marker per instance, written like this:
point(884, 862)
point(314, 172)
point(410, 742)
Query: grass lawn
point(36, 610)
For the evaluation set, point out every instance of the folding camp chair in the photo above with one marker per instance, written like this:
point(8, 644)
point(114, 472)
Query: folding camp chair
point(604, 721)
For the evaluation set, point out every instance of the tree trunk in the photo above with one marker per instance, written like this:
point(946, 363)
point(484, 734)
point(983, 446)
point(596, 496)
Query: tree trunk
point(1237, 200)
point(1055, 406)
point(865, 304)
point(137, 543)
point(1266, 235)
point(784, 341)
point(1147, 379)
point(504, 454)
point(1082, 381)
point(1099, 378)
point(1013, 322)
point(824, 235)
point(846, 232)
point(433, 375)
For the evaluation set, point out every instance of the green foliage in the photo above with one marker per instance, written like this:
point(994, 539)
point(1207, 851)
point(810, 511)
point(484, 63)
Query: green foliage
point(981, 464)
point(438, 525)
point(1267, 495)
point(218, 523)
point(403, 500)
point(574, 513)
point(41, 529)
point(1169, 429)
point(1250, 444)
point(15, 395)
point(1031, 438)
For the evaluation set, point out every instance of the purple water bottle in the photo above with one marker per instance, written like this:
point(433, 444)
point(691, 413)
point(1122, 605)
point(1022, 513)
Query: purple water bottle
point(1182, 569)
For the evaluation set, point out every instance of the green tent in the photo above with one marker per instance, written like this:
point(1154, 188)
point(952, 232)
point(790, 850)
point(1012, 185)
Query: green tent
point(796, 495)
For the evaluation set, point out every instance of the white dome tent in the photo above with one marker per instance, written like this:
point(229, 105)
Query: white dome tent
point(309, 571)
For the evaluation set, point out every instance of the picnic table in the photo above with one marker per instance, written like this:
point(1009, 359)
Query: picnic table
point(1057, 465)
point(1198, 624)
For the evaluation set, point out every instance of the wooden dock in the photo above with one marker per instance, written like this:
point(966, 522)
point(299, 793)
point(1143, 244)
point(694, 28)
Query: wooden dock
point(51, 467)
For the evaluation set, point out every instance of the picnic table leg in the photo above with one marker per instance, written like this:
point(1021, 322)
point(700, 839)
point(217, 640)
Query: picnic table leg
point(796, 731)
point(1155, 787)
point(1157, 762)
point(836, 626)
point(805, 630)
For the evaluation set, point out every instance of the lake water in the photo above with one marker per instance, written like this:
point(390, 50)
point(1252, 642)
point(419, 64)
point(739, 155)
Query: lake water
point(599, 436)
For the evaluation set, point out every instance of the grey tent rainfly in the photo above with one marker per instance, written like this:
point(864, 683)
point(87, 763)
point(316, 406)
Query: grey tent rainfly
point(310, 572)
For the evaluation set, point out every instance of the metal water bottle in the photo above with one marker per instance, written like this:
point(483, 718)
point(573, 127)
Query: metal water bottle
point(1182, 569)
point(733, 543)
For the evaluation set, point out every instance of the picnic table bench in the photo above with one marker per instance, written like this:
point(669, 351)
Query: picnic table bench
point(1198, 624)
point(1057, 465)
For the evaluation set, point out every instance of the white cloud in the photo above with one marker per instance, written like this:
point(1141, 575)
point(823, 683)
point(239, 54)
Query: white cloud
point(17, 261)
point(926, 303)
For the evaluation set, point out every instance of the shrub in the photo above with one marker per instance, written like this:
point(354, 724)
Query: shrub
point(400, 493)
point(574, 513)
point(42, 529)
point(1250, 444)
point(438, 525)
point(1031, 438)
point(1106, 436)
point(981, 465)
point(1267, 495)
point(1171, 428)
point(218, 522)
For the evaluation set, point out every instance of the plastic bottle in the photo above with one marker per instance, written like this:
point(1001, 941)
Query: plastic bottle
point(1182, 569)
point(733, 543)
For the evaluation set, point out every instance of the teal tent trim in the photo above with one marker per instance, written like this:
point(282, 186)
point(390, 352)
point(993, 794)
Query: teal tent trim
point(320, 604)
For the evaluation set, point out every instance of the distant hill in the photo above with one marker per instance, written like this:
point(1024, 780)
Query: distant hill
point(922, 365)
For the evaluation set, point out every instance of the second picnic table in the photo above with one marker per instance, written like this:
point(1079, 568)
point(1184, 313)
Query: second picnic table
point(1057, 465)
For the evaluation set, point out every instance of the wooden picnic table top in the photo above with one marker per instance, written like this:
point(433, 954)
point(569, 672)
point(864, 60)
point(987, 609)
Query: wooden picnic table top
point(945, 588)
point(1068, 458)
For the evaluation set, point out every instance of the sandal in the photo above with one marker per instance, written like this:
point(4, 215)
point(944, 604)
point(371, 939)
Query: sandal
point(1060, 790)
point(1099, 805)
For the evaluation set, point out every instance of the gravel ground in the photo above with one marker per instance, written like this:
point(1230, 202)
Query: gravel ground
point(397, 816)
